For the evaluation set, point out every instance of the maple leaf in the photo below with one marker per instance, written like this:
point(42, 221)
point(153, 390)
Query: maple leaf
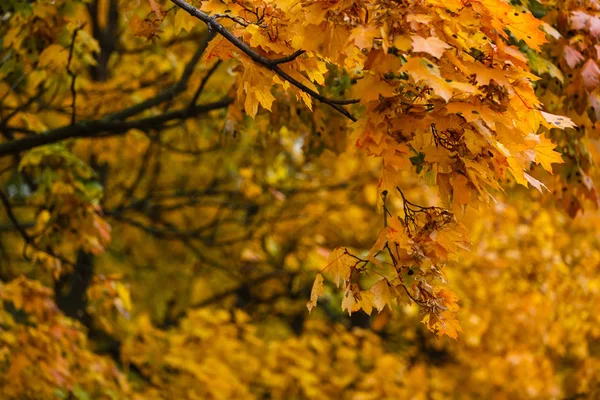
point(351, 295)
point(448, 297)
point(338, 267)
point(535, 183)
point(382, 294)
point(461, 193)
point(550, 30)
point(55, 57)
point(317, 290)
point(379, 244)
point(431, 45)
point(146, 28)
point(257, 87)
point(558, 121)
point(363, 36)
point(525, 27)
point(572, 57)
point(365, 302)
point(258, 96)
point(441, 319)
point(184, 21)
point(449, 325)
point(545, 154)
point(424, 70)
point(371, 87)
point(591, 75)
point(583, 21)
point(156, 8)
point(434, 154)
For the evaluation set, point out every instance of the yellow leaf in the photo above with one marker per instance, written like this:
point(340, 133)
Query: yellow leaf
point(337, 266)
point(445, 324)
point(349, 301)
point(379, 244)
point(145, 28)
point(516, 170)
point(371, 87)
point(448, 297)
point(424, 70)
point(184, 21)
point(382, 294)
point(461, 192)
point(256, 96)
point(55, 57)
point(558, 121)
point(317, 290)
point(402, 42)
point(441, 320)
point(431, 45)
point(365, 302)
point(545, 154)
point(535, 183)
point(434, 154)
point(525, 27)
point(363, 36)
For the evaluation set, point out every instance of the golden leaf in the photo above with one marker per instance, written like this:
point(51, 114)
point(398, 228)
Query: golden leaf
point(545, 154)
point(317, 290)
point(431, 45)
point(337, 266)
point(382, 294)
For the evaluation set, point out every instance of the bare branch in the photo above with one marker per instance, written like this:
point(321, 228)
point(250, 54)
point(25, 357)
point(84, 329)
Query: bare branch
point(73, 75)
point(13, 219)
point(204, 81)
point(224, 294)
point(171, 92)
point(105, 127)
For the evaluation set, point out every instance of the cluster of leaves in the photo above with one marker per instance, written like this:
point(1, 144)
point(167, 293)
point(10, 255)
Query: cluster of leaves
point(45, 354)
point(530, 332)
point(140, 171)
point(416, 245)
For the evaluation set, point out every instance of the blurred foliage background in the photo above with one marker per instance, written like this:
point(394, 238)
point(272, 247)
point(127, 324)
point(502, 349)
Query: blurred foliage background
point(175, 261)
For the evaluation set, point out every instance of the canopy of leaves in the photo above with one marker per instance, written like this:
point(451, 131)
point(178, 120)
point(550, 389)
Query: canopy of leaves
point(294, 199)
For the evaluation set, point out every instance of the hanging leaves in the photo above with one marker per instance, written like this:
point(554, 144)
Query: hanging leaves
point(317, 290)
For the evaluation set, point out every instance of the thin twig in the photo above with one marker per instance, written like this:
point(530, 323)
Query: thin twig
point(26, 238)
point(204, 81)
point(73, 75)
point(237, 20)
point(169, 93)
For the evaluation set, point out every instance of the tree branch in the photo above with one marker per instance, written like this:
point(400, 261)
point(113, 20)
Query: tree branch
point(204, 82)
point(115, 123)
point(26, 238)
point(73, 75)
point(174, 319)
point(169, 93)
point(105, 127)
point(272, 64)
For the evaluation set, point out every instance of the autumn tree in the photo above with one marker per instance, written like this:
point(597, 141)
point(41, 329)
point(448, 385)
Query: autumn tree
point(179, 178)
